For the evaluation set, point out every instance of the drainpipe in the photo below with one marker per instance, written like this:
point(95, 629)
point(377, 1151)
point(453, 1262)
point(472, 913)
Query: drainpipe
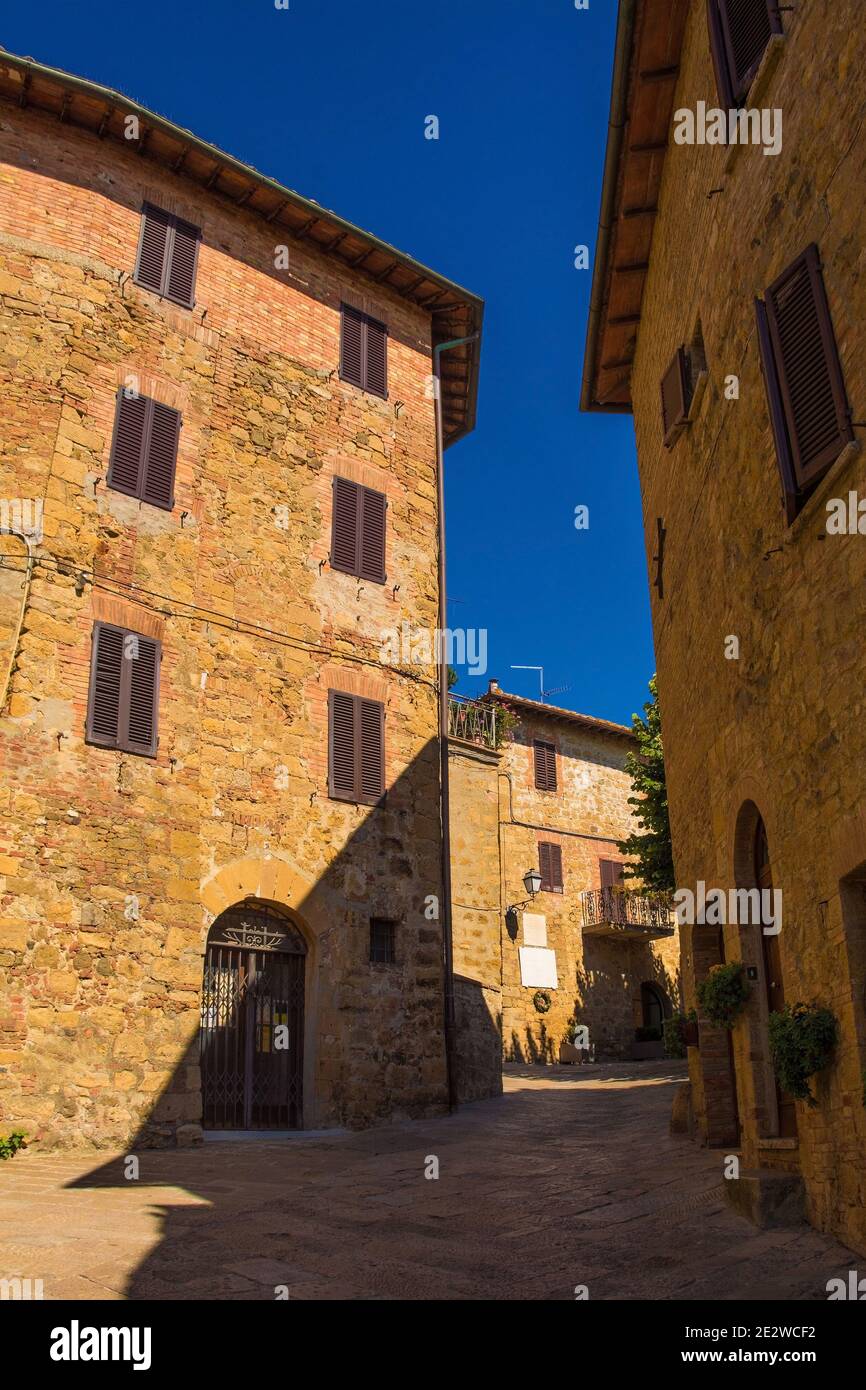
point(445, 809)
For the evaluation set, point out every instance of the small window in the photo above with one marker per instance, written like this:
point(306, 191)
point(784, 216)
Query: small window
point(167, 255)
point(383, 935)
point(144, 449)
point(363, 351)
point(676, 393)
point(123, 698)
point(545, 765)
point(358, 530)
point(550, 867)
point(739, 33)
point(356, 748)
point(808, 404)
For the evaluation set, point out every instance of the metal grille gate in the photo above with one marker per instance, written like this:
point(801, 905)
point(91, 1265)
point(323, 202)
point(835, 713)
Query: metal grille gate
point(252, 1022)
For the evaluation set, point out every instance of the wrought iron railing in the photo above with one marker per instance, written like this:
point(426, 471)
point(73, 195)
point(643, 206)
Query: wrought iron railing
point(618, 907)
point(474, 722)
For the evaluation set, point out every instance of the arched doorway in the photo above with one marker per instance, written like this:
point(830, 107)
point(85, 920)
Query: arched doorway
point(252, 1021)
point(772, 971)
point(655, 1007)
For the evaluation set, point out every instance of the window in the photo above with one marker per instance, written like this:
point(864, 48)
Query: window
point(676, 394)
point(358, 530)
point(739, 33)
point(144, 449)
point(123, 698)
point(167, 255)
point(803, 378)
point(545, 765)
point(382, 941)
point(550, 867)
point(356, 751)
point(363, 351)
point(611, 871)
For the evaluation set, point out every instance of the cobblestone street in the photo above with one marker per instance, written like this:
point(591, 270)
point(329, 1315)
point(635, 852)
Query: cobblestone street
point(570, 1178)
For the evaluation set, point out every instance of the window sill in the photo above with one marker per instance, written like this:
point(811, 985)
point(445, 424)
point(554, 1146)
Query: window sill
point(165, 298)
point(758, 89)
point(772, 1145)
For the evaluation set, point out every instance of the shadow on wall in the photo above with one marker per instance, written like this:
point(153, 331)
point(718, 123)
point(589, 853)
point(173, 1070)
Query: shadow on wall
point(608, 997)
point(477, 1041)
point(541, 1048)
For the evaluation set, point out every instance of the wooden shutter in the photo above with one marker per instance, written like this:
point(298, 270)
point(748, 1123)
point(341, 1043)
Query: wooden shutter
point(809, 373)
point(345, 526)
point(356, 747)
point(167, 255)
point(370, 715)
point(376, 357)
point(611, 873)
point(161, 456)
point(103, 699)
point(746, 27)
point(182, 262)
point(144, 450)
point(545, 765)
point(363, 351)
point(550, 866)
point(127, 445)
point(777, 414)
point(150, 264)
point(371, 560)
point(675, 393)
point(352, 345)
point(341, 746)
point(719, 54)
point(139, 695)
point(123, 698)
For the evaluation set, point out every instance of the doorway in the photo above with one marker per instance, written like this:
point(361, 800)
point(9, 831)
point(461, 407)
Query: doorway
point(252, 1021)
point(772, 960)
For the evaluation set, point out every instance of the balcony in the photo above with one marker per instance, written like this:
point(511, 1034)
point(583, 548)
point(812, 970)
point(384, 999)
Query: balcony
point(473, 722)
point(620, 912)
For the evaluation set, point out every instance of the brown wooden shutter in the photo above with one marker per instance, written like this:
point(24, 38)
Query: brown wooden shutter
point(371, 560)
point(127, 445)
point(370, 715)
point(807, 361)
point(545, 765)
point(139, 695)
point(341, 746)
point(544, 865)
point(611, 872)
point(746, 28)
point(103, 699)
point(777, 414)
point(161, 456)
point(150, 263)
point(719, 54)
point(550, 866)
point(182, 262)
point(345, 525)
point(352, 345)
point(376, 357)
point(675, 391)
point(167, 255)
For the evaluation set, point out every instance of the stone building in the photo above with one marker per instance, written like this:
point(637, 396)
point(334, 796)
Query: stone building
point(552, 797)
point(729, 314)
point(221, 848)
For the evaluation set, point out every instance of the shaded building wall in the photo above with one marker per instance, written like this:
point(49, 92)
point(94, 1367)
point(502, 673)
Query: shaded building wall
point(497, 819)
point(779, 731)
point(113, 866)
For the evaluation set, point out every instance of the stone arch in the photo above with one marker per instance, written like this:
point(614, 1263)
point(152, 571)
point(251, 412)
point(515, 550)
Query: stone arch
point(278, 884)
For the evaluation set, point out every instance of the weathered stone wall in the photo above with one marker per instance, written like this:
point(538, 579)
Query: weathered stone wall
point(112, 866)
point(783, 727)
point(498, 818)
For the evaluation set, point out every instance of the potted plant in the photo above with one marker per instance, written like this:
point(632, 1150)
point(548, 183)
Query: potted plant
point(802, 1039)
point(723, 994)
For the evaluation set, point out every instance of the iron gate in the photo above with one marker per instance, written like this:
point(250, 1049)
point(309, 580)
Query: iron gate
point(252, 1022)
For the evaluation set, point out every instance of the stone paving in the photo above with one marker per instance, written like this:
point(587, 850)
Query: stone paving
point(570, 1178)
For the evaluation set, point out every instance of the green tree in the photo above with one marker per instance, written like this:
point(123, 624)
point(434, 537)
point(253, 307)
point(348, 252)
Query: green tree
point(651, 844)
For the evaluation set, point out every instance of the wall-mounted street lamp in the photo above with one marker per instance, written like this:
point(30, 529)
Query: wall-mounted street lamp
point(532, 884)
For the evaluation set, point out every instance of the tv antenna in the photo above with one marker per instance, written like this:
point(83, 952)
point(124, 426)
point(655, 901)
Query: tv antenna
point(554, 690)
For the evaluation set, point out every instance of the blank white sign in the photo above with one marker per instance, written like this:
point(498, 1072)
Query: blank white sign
point(534, 929)
point(537, 967)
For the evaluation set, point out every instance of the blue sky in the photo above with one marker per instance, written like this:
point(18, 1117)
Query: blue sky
point(330, 97)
